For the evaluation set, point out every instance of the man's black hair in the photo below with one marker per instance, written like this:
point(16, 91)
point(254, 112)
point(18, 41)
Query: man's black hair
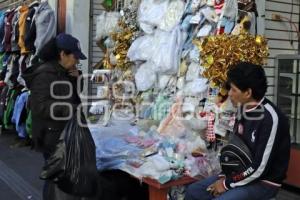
point(247, 75)
point(50, 51)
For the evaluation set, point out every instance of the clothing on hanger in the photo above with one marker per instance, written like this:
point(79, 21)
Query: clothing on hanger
point(22, 22)
point(15, 32)
point(8, 30)
point(30, 28)
point(44, 31)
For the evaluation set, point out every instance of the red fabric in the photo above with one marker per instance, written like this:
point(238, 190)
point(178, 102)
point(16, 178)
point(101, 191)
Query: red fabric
point(2, 84)
point(8, 31)
point(219, 5)
point(210, 134)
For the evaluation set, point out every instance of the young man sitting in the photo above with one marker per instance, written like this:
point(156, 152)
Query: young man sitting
point(265, 131)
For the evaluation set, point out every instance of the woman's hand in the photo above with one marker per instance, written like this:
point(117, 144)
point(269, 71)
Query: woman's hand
point(74, 72)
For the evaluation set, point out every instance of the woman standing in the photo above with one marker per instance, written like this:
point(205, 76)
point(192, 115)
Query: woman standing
point(54, 97)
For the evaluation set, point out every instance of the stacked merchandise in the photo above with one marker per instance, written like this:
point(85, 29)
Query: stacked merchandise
point(177, 54)
point(24, 29)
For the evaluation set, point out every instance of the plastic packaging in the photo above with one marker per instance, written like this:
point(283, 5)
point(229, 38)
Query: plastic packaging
point(167, 49)
point(173, 15)
point(107, 22)
point(145, 77)
point(151, 12)
point(141, 49)
point(73, 164)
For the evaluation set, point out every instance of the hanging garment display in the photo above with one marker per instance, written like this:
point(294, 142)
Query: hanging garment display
point(30, 27)
point(15, 31)
point(14, 70)
point(2, 30)
point(18, 114)
point(45, 25)
point(22, 22)
point(8, 30)
point(17, 37)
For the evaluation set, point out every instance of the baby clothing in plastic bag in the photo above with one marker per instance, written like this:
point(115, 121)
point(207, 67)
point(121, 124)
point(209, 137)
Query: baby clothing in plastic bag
point(168, 46)
point(205, 30)
point(113, 152)
point(141, 49)
point(196, 88)
point(163, 80)
point(145, 77)
point(151, 13)
point(209, 14)
point(185, 25)
point(173, 15)
point(230, 10)
point(193, 72)
point(194, 55)
point(161, 107)
point(107, 22)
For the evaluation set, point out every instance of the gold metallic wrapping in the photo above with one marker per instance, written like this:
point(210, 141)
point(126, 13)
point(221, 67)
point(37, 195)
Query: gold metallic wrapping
point(219, 53)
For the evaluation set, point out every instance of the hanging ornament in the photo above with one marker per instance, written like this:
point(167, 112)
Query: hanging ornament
point(219, 53)
point(128, 32)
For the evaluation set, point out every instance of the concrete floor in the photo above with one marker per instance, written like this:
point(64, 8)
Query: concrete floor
point(20, 168)
point(19, 171)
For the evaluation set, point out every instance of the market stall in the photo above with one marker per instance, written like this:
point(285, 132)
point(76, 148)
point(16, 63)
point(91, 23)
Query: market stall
point(164, 76)
point(25, 26)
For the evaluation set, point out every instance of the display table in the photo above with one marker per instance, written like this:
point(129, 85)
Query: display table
point(159, 191)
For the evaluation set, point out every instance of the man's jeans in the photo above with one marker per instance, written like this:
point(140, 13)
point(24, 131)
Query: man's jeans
point(255, 191)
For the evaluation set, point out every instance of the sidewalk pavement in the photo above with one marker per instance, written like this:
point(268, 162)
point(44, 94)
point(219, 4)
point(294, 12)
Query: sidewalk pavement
point(20, 168)
point(19, 171)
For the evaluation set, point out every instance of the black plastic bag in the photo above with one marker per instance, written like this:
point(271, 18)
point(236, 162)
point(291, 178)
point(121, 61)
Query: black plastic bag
point(73, 164)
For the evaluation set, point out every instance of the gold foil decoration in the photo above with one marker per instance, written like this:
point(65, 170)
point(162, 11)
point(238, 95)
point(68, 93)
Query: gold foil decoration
point(221, 52)
point(106, 61)
point(123, 39)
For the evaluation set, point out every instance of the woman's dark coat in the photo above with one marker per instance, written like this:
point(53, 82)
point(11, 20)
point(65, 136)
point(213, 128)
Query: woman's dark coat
point(53, 93)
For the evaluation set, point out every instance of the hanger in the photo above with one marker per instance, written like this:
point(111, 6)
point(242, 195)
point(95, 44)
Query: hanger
point(18, 8)
point(33, 3)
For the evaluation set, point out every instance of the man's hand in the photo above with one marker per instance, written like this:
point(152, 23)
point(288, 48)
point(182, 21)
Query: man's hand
point(217, 188)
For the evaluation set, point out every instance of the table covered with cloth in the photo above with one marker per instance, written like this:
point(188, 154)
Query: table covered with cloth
point(120, 147)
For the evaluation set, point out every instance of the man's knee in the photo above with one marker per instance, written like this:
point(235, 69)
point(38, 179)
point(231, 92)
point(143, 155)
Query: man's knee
point(190, 193)
point(197, 190)
point(194, 191)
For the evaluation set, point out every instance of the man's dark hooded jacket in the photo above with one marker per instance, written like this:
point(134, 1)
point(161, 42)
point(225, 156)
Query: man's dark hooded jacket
point(40, 80)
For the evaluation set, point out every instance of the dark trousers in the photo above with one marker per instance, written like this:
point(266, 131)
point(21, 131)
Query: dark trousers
point(255, 191)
